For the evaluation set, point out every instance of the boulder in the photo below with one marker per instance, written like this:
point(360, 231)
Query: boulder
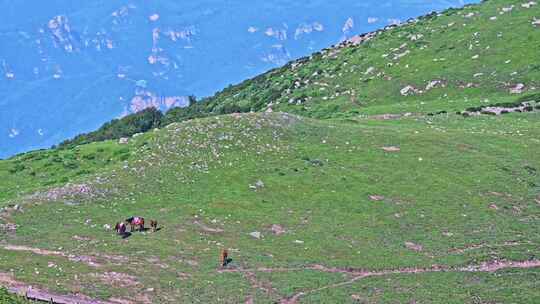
point(259, 184)
point(376, 198)
point(391, 149)
point(508, 9)
point(277, 229)
point(433, 84)
point(256, 235)
point(408, 90)
point(528, 4)
point(517, 89)
point(413, 246)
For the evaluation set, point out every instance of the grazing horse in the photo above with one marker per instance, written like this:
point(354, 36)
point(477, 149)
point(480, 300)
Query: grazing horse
point(153, 225)
point(224, 257)
point(136, 221)
point(120, 228)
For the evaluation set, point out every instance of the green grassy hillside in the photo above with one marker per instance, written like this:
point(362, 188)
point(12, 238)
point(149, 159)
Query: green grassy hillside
point(461, 58)
point(458, 191)
point(358, 208)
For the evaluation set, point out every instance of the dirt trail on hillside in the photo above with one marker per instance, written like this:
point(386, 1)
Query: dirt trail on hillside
point(88, 260)
point(484, 245)
point(358, 274)
point(206, 228)
point(33, 293)
point(37, 294)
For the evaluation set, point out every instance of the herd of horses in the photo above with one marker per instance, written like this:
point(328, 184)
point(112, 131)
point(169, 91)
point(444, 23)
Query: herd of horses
point(134, 222)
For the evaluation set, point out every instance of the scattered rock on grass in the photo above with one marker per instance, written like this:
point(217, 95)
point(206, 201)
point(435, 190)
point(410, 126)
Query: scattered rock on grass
point(528, 4)
point(256, 235)
point(517, 89)
point(391, 149)
point(258, 185)
point(277, 229)
point(356, 297)
point(408, 90)
point(413, 246)
point(376, 198)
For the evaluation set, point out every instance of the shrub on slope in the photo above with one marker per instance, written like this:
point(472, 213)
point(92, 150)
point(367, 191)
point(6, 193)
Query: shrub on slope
point(127, 126)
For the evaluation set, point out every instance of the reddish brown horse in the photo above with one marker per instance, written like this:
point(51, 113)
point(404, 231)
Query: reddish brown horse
point(120, 228)
point(134, 222)
point(224, 258)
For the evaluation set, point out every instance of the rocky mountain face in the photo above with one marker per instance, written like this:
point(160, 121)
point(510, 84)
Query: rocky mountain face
point(68, 66)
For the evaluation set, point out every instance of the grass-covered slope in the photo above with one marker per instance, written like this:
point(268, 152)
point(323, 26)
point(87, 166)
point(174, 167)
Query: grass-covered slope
point(29, 172)
point(461, 58)
point(458, 192)
point(402, 208)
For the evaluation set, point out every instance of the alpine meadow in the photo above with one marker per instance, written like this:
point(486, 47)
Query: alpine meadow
point(398, 166)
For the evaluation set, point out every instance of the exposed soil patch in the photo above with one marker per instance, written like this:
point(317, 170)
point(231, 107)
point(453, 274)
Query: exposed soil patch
point(480, 246)
point(376, 198)
point(256, 284)
point(207, 229)
point(251, 277)
point(81, 238)
point(90, 261)
point(115, 259)
point(501, 108)
point(413, 246)
point(9, 227)
point(358, 274)
point(117, 279)
point(277, 229)
point(389, 116)
point(391, 149)
point(120, 301)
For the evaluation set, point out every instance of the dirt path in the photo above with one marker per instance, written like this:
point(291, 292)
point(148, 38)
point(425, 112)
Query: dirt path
point(207, 229)
point(37, 294)
point(484, 245)
point(88, 260)
point(33, 293)
point(358, 274)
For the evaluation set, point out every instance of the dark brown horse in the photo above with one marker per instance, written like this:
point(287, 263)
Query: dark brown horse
point(134, 222)
point(153, 225)
point(120, 228)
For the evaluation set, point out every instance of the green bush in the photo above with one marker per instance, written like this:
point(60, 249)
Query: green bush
point(125, 127)
point(90, 156)
point(17, 168)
